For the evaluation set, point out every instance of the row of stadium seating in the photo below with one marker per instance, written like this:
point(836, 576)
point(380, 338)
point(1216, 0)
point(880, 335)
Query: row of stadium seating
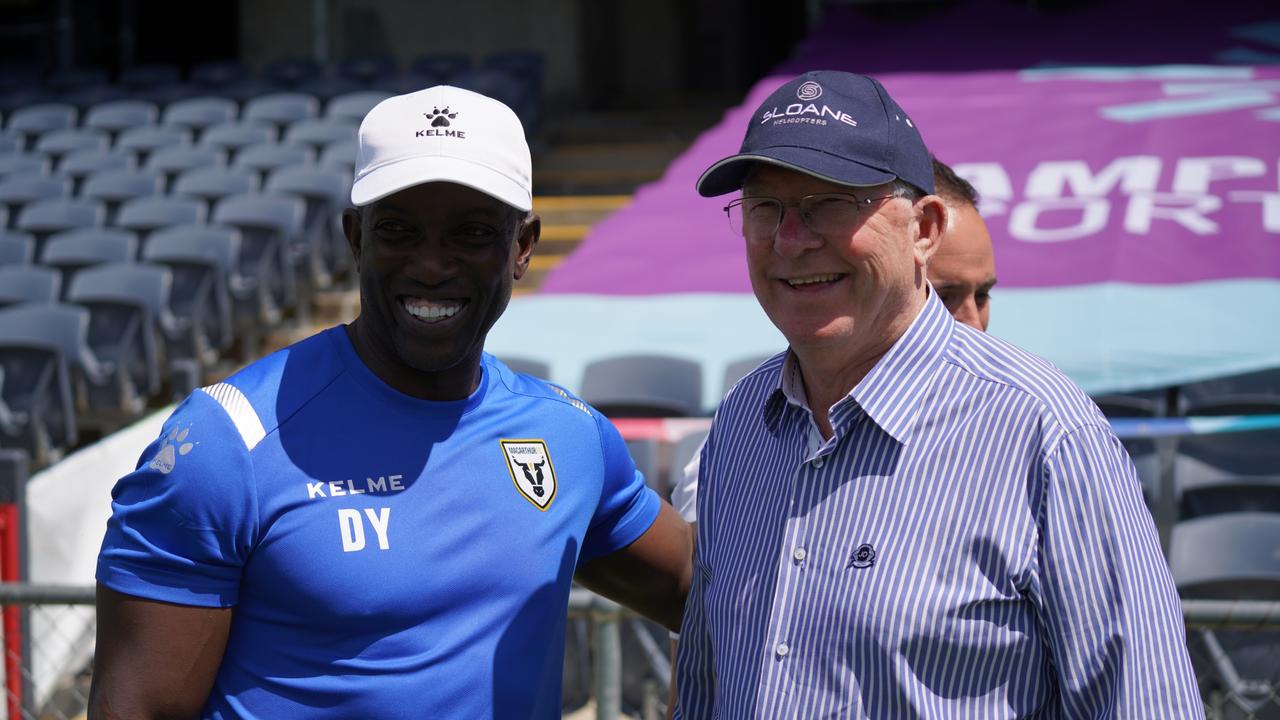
point(514, 77)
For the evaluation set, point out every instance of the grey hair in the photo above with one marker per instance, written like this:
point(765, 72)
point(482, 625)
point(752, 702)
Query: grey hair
point(903, 189)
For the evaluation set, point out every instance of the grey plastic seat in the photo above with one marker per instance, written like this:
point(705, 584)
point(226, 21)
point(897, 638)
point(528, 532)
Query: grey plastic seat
point(58, 143)
point(24, 165)
point(326, 192)
point(341, 155)
point(146, 215)
point(129, 317)
point(233, 136)
point(83, 163)
point(316, 133)
point(1228, 472)
point(37, 390)
point(266, 157)
point(738, 369)
point(354, 106)
point(291, 72)
point(219, 73)
point(281, 109)
point(16, 248)
point(367, 69)
point(1231, 556)
point(196, 114)
point(43, 218)
point(113, 188)
point(10, 142)
point(1254, 393)
point(644, 386)
point(528, 366)
point(327, 87)
point(114, 118)
point(268, 227)
point(35, 120)
point(644, 452)
point(172, 161)
point(141, 142)
point(28, 284)
point(211, 184)
point(204, 261)
point(74, 250)
point(683, 453)
point(18, 191)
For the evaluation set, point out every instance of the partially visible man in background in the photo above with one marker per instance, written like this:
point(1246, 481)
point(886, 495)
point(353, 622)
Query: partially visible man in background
point(963, 270)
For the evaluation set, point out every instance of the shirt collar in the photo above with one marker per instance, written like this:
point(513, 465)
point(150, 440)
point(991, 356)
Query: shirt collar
point(891, 393)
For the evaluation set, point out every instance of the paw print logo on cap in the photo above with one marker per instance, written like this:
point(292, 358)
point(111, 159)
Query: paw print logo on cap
point(440, 118)
point(173, 446)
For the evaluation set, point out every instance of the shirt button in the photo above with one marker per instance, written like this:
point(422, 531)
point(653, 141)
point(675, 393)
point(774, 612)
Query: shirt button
point(819, 462)
point(799, 554)
point(782, 649)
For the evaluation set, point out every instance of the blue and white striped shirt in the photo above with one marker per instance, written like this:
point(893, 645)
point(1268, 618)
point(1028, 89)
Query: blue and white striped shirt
point(971, 543)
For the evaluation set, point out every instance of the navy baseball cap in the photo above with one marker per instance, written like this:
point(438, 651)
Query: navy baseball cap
point(833, 125)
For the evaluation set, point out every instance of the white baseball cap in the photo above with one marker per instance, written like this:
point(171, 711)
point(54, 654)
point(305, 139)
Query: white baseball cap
point(443, 134)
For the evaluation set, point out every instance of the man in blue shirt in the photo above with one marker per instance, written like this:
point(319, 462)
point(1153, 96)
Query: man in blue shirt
point(902, 516)
point(382, 521)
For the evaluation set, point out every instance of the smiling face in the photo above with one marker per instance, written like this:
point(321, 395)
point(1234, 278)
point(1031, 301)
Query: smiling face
point(963, 270)
point(849, 296)
point(437, 262)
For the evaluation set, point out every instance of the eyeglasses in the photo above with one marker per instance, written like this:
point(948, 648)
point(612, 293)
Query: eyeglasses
point(756, 218)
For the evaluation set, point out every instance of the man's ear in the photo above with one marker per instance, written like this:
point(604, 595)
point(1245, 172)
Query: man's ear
point(351, 228)
point(527, 234)
point(932, 216)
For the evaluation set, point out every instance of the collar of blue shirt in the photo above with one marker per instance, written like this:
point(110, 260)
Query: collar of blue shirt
point(892, 393)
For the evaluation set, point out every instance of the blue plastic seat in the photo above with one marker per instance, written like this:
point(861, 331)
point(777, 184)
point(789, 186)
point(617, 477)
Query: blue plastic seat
point(172, 161)
point(281, 109)
point(265, 158)
point(328, 87)
point(326, 192)
point(204, 261)
point(146, 215)
point(209, 185)
point(315, 133)
point(37, 390)
point(28, 284)
point(74, 250)
point(81, 164)
point(35, 120)
point(43, 218)
point(18, 191)
point(16, 248)
point(23, 165)
point(232, 137)
point(88, 96)
point(142, 141)
point(115, 187)
point(57, 143)
point(10, 142)
point(114, 118)
point(196, 114)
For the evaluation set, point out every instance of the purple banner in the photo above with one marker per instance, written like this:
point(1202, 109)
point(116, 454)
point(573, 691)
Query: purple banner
point(1158, 172)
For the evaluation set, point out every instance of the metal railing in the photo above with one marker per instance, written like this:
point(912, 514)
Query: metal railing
point(1234, 646)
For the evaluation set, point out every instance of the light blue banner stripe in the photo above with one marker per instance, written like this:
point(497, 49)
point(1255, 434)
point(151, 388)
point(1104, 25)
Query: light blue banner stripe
point(1131, 428)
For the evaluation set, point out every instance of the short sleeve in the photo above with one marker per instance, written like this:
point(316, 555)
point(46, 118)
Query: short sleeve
point(627, 506)
point(183, 523)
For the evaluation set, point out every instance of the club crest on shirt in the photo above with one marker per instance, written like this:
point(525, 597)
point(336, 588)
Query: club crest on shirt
point(529, 463)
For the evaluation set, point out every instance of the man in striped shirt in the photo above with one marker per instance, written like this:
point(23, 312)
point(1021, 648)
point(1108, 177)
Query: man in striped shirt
point(901, 516)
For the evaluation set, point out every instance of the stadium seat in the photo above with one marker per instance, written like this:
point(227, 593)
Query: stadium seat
point(263, 158)
point(23, 165)
point(170, 93)
point(79, 165)
point(129, 318)
point(505, 87)
point(37, 388)
point(143, 77)
point(16, 248)
point(246, 90)
point(738, 369)
point(10, 142)
point(18, 191)
point(327, 87)
point(355, 105)
point(406, 82)
point(1228, 472)
point(72, 79)
point(88, 96)
point(57, 143)
point(142, 141)
point(367, 69)
point(291, 72)
point(645, 453)
point(114, 118)
point(43, 218)
point(171, 161)
point(146, 215)
point(204, 261)
point(196, 114)
point(644, 386)
point(281, 109)
point(1229, 557)
point(526, 66)
point(326, 192)
point(440, 66)
point(74, 250)
point(29, 284)
point(23, 96)
point(211, 184)
point(219, 73)
point(315, 133)
point(268, 227)
point(528, 366)
point(35, 120)
point(685, 449)
point(341, 155)
point(115, 187)
point(1252, 393)
point(232, 137)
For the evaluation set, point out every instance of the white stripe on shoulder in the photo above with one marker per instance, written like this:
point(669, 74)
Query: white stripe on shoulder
point(241, 412)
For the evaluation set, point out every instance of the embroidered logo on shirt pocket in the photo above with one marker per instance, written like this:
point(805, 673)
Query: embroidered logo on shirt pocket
point(863, 557)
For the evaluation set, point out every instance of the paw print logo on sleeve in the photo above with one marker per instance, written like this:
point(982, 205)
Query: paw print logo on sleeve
point(174, 445)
